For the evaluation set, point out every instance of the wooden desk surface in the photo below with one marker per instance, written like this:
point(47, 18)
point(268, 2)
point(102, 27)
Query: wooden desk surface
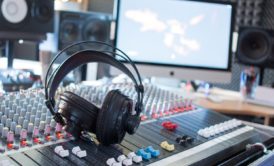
point(238, 107)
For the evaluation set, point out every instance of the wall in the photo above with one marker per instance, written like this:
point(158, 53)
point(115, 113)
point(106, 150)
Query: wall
point(105, 6)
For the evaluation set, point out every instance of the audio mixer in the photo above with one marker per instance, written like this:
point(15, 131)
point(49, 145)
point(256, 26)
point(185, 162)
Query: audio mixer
point(173, 132)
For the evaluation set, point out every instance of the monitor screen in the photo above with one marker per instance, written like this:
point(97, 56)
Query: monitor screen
point(176, 33)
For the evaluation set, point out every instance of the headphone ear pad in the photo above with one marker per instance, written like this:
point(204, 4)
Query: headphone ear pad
point(79, 113)
point(112, 118)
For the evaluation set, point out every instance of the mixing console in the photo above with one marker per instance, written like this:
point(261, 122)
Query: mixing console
point(173, 132)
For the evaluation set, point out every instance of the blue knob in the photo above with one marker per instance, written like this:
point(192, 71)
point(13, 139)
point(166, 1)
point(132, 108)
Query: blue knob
point(145, 155)
point(153, 152)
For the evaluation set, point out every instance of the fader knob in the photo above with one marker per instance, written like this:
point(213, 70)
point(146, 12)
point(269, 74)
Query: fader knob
point(43, 117)
point(7, 110)
point(58, 127)
point(36, 122)
point(38, 114)
point(5, 132)
point(23, 112)
point(20, 120)
point(42, 125)
point(30, 127)
point(15, 117)
point(32, 118)
point(10, 137)
point(27, 116)
point(25, 124)
point(18, 129)
point(3, 119)
point(23, 134)
point(12, 126)
point(47, 129)
point(8, 122)
point(11, 114)
point(35, 132)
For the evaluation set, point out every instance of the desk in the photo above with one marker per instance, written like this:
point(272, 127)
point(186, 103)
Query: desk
point(236, 106)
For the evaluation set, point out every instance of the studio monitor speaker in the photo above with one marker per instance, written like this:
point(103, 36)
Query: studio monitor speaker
point(256, 47)
point(21, 17)
point(79, 26)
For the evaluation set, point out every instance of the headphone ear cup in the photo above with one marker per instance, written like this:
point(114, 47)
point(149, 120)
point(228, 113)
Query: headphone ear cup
point(111, 120)
point(79, 113)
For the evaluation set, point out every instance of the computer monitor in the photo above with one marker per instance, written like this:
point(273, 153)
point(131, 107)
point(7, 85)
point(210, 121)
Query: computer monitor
point(188, 40)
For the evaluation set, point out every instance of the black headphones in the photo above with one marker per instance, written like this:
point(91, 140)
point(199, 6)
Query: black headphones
point(115, 118)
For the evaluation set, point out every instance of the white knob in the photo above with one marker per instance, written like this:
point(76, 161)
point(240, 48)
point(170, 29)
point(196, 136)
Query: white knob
point(127, 162)
point(110, 161)
point(81, 153)
point(137, 159)
point(75, 149)
point(121, 158)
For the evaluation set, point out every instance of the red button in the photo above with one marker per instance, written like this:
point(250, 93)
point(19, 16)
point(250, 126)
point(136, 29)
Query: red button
point(169, 125)
point(23, 143)
point(36, 140)
point(10, 146)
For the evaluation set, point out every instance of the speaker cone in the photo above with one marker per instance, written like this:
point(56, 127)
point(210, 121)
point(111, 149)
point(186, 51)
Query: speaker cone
point(43, 12)
point(96, 30)
point(69, 32)
point(254, 46)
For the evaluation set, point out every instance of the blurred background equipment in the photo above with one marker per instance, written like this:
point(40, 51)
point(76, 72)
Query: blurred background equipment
point(14, 80)
point(79, 26)
point(71, 27)
point(28, 20)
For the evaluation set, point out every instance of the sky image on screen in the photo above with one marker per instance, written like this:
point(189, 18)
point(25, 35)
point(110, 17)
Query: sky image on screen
point(174, 32)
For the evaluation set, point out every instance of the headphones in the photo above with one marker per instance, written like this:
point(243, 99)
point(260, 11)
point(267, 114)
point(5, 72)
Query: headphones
point(116, 116)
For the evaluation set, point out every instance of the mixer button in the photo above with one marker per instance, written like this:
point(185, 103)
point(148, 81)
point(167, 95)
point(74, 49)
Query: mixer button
point(12, 126)
point(10, 137)
point(110, 161)
point(20, 120)
point(127, 162)
point(36, 122)
point(169, 125)
point(57, 149)
point(81, 154)
point(30, 127)
point(75, 149)
point(121, 158)
point(25, 124)
point(137, 159)
point(152, 151)
point(35, 132)
point(145, 155)
point(17, 130)
point(15, 117)
point(58, 127)
point(3, 119)
point(64, 153)
point(169, 147)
